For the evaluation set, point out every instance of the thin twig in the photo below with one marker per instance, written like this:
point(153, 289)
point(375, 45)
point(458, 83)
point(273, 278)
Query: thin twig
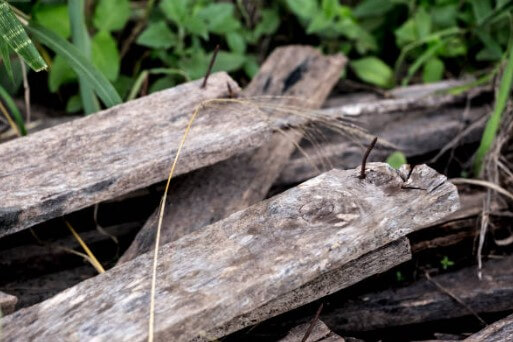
point(312, 323)
point(9, 119)
point(365, 156)
point(453, 296)
point(210, 65)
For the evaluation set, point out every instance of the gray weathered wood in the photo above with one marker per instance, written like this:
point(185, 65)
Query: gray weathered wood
point(211, 276)
point(320, 333)
point(76, 164)
point(377, 261)
point(416, 122)
point(301, 76)
point(7, 303)
point(500, 331)
point(423, 301)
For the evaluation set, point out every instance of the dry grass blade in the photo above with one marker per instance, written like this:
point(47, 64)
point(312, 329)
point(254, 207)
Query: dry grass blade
point(90, 254)
point(9, 120)
point(485, 184)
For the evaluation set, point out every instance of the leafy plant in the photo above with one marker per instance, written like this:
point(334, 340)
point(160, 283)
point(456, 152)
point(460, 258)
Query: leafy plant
point(396, 159)
point(446, 262)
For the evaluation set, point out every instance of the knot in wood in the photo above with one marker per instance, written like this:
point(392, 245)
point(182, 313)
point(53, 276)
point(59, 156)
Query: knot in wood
point(318, 209)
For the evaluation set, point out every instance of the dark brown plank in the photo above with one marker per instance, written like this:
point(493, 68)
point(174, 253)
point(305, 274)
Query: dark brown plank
point(423, 301)
point(212, 276)
point(299, 76)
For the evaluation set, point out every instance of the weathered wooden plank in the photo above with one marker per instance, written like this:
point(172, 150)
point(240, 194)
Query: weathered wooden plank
point(417, 122)
point(76, 164)
point(239, 264)
point(377, 261)
point(299, 76)
point(319, 333)
point(423, 301)
point(7, 303)
point(500, 331)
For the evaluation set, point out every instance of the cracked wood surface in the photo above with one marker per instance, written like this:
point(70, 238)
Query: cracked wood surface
point(422, 301)
point(130, 146)
point(232, 267)
point(296, 75)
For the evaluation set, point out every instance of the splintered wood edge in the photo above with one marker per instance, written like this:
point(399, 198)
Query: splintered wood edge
point(320, 333)
point(7, 304)
point(378, 261)
point(500, 331)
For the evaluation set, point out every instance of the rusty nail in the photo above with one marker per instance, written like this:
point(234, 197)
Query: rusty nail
point(210, 65)
point(312, 323)
point(365, 156)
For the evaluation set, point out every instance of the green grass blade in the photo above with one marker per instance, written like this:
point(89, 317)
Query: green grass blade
point(493, 123)
point(15, 113)
point(78, 63)
point(80, 38)
point(6, 58)
point(15, 36)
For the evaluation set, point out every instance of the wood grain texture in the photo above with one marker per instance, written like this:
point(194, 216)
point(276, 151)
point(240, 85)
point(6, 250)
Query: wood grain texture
point(76, 164)
point(377, 261)
point(500, 331)
point(239, 264)
point(7, 303)
point(296, 75)
point(423, 301)
point(417, 121)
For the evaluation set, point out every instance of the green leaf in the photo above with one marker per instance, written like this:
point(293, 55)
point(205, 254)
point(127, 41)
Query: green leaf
point(236, 42)
point(220, 18)
point(304, 9)
point(80, 38)
point(406, 33)
point(5, 81)
point(396, 159)
point(74, 104)
point(481, 8)
point(196, 65)
point(60, 73)
point(453, 47)
point(54, 17)
point(493, 123)
point(196, 26)
point(444, 16)
point(422, 23)
point(78, 62)
point(251, 66)
point(15, 36)
point(373, 70)
point(269, 23)
point(157, 36)
point(492, 50)
point(318, 24)
point(123, 84)
point(372, 8)
point(162, 83)
point(105, 55)
point(175, 10)
point(6, 58)
point(433, 70)
point(111, 15)
point(9, 102)
point(329, 8)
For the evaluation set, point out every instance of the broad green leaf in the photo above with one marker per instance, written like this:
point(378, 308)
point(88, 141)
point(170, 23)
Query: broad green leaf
point(123, 84)
point(493, 123)
point(80, 38)
point(9, 103)
point(481, 8)
point(431, 52)
point(433, 70)
point(406, 33)
point(162, 83)
point(5, 81)
point(78, 63)
point(105, 55)
point(268, 24)
point(372, 8)
point(196, 65)
point(422, 23)
point(453, 47)
point(54, 17)
point(6, 58)
point(444, 16)
point(175, 10)
point(251, 66)
point(304, 9)
point(157, 35)
point(236, 42)
point(318, 24)
point(396, 159)
point(329, 8)
point(220, 17)
point(74, 104)
point(111, 15)
point(60, 73)
point(196, 26)
point(492, 51)
point(373, 70)
point(15, 36)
